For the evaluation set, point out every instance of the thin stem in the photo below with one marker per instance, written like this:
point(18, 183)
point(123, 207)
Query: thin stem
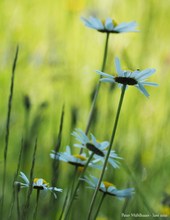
point(8, 127)
point(64, 205)
point(100, 204)
point(18, 206)
point(108, 152)
point(36, 208)
point(15, 177)
point(25, 210)
point(98, 85)
point(77, 186)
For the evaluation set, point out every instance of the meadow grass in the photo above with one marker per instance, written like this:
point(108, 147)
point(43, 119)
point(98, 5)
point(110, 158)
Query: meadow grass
point(57, 61)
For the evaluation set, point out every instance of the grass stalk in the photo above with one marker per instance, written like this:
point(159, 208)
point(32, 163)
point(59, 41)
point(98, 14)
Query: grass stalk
point(25, 210)
point(8, 127)
point(15, 177)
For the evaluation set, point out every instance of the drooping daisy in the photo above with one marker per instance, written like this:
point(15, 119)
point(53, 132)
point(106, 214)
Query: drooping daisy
point(135, 78)
point(109, 25)
point(78, 160)
point(98, 148)
point(108, 188)
point(38, 184)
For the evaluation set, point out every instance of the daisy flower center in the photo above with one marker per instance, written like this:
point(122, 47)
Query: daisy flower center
point(107, 184)
point(113, 22)
point(81, 157)
point(126, 80)
point(37, 186)
point(94, 149)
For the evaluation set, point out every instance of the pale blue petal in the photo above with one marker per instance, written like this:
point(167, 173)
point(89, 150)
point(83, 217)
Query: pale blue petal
point(126, 27)
point(109, 24)
point(88, 23)
point(144, 74)
point(113, 163)
point(118, 67)
point(107, 80)
point(142, 89)
point(104, 145)
point(149, 84)
point(96, 23)
point(104, 74)
point(23, 176)
point(125, 193)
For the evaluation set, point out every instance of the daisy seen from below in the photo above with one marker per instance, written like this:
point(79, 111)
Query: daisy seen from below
point(108, 188)
point(126, 78)
point(99, 149)
point(78, 160)
point(38, 184)
point(109, 25)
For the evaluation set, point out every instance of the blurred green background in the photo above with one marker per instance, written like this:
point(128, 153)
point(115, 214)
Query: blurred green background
point(58, 57)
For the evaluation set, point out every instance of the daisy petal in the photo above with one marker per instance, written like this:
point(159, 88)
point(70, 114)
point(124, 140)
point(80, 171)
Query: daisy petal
point(144, 74)
point(150, 84)
point(107, 80)
point(104, 74)
point(96, 23)
point(109, 24)
point(142, 89)
point(118, 67)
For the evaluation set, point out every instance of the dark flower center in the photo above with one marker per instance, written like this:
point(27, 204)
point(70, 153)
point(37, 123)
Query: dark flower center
point(107, 31)
point(38, 187)
point(76, 164)
point(126, 80)
point(93, 148)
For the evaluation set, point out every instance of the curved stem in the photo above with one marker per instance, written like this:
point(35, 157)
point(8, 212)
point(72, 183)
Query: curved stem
point(108, 153)
point(98, 85)
point(77, 186)
point(10, 99)
point(36, 208)
point(100, 204)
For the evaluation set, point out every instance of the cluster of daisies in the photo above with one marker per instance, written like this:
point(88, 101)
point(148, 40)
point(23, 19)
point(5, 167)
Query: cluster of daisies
point(96, 151)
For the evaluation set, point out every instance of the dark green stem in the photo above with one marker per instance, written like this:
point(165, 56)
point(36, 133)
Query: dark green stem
point(100, 204)
point(77, 186)
point(15, 177)
point(18, 206)
point(8, 127)
point(98, 85)
point(108, 152)
point(25, 210)
point(36, 208)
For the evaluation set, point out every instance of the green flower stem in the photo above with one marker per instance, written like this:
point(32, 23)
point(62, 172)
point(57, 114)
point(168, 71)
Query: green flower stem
point(77, 186)
point(98, 85)
point(108, 153)
point(100, 204)
point(36, 208)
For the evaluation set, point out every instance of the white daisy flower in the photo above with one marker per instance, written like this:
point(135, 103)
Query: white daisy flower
point(78, 160)
point(109, 25)
point(109, 188)
point(98, 148)
point(38, 183)
point(135, 78)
